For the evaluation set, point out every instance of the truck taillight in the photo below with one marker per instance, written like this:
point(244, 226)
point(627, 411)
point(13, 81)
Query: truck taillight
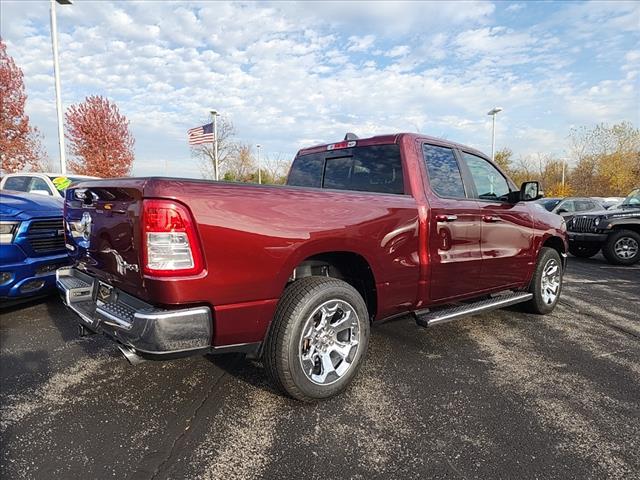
point(169, 240)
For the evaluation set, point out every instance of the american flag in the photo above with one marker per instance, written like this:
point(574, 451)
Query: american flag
point(200, 135)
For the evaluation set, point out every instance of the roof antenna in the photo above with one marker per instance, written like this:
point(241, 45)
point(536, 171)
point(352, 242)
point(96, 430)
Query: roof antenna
point(350, 136)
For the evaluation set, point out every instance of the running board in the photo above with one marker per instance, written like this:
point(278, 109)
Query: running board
point(429, 318)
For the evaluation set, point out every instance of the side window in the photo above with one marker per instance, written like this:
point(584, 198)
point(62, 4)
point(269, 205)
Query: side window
point(586, 205)
point(444, 173)
point(567, 205)
point(39, 184)
point(19, 184)
point(490, 183)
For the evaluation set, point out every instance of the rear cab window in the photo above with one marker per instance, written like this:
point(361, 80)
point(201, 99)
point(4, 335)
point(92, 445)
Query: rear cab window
point(373, 168)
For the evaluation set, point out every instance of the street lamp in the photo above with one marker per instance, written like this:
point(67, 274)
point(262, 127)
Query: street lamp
point(259, 172)
point(493, 112)
point(214, 118)
point(56, 75)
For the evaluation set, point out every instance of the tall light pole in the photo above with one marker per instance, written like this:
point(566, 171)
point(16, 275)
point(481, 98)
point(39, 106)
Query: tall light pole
point(56, 75)
point(493, 112)
point(259, 172)
point(214, 120)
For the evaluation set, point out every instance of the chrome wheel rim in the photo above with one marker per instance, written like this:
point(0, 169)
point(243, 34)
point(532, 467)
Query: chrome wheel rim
point(329, 342)
point(550, 282)
point(626, 247)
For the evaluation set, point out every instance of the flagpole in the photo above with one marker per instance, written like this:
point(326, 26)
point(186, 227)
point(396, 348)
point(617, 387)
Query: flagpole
point(214, 114)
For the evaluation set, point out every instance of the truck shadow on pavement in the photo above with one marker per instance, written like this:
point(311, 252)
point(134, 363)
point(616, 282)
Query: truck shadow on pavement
point(251, 372)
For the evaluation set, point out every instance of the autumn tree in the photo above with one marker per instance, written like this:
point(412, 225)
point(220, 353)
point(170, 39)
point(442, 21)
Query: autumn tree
point(504, 158)
point(20, 145)
point(275, 169)
point(227, 149)
point(99, 139)
point(607, 159)
point(240, 164)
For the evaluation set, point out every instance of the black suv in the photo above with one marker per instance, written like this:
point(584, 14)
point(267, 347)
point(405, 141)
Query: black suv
point(615, 231)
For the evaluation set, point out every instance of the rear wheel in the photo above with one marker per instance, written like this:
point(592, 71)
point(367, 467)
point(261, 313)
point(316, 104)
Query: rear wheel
point(584, 250)
point(546, 283)
point(318, 339)
point(622, 247)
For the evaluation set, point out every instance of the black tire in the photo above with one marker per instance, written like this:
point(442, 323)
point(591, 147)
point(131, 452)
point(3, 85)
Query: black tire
point(283, 345)
point(584, 250)
point(631, 238)
point(539, 304)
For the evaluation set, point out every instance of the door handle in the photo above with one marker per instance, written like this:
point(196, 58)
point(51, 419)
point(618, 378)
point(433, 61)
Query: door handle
point(446, 218)
point(490, 218)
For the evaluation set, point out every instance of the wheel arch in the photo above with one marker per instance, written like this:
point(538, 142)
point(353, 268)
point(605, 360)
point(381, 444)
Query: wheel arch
point(555, 242)
point(634, 225)
point(347, 265)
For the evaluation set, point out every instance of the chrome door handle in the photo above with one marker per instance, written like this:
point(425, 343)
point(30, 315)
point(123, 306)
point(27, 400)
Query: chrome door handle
point(490, 218)
point(446, 218)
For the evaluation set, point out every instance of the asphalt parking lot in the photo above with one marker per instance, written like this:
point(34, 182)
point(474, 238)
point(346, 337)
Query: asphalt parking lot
point(499, 395)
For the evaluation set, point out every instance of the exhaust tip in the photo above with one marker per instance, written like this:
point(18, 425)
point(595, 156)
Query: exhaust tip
point(131, 355)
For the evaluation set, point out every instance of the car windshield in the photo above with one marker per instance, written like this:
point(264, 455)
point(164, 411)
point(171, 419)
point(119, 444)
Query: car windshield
point(550, 204)
point(62, 182)
point(633, 200)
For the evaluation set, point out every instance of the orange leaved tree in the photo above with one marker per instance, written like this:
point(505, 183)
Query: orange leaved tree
point(20, 146)
point(99, 139)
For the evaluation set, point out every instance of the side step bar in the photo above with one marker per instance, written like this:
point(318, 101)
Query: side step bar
point(429, 318)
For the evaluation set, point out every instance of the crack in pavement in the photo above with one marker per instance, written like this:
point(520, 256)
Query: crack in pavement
point(161, 468)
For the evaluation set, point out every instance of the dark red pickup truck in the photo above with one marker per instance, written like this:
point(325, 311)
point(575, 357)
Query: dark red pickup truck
point(365, 230)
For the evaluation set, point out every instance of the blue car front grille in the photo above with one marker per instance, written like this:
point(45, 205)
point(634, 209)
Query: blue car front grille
point(46, 236)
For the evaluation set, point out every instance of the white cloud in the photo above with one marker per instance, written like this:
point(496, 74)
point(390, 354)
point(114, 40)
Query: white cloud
point(293, 74)
point(515, 7)
point(398, 51)
point(360, 44)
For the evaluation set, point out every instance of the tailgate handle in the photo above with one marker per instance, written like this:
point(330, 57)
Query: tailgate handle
point(446, 218)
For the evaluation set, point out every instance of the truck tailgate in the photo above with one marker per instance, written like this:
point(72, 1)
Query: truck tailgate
point(102, 228)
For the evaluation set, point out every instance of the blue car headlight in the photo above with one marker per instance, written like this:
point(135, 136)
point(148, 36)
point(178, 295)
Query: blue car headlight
point(8, 231)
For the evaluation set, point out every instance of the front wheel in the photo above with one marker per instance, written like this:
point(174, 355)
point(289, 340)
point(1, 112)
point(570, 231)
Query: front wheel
point(622, 247)
point(318, 339)
point(546, 283)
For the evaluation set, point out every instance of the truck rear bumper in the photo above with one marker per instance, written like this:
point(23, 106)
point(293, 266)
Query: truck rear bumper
point(150, 331)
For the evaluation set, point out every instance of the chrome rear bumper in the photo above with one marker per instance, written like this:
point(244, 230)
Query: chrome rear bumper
point(150, 331)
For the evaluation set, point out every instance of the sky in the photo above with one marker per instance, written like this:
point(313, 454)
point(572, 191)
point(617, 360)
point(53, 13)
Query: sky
point(291, 75)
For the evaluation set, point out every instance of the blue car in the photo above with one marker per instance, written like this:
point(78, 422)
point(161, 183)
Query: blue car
point(32, 244)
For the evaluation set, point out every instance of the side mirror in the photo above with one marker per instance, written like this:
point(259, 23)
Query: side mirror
point(528, 192)
point(561, 211)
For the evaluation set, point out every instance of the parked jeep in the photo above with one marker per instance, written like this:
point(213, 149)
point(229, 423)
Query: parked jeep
point(616, 231)
point(364, 230)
